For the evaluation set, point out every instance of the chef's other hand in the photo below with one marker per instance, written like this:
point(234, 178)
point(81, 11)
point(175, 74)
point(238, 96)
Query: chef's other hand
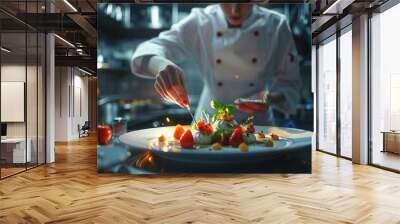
point(258, 105)
point(251, 106)
point(169, 84)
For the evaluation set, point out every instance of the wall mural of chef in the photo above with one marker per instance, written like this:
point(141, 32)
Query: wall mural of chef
point(243, 70)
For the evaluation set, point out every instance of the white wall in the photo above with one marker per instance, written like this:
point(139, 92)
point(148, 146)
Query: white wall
point(61, 104)
point(71, 94)
point(16, 73)
point(12, 73)
point(80, 110)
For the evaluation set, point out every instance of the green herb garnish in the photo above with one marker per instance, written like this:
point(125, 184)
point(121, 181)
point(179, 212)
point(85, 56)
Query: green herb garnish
point(223, 112)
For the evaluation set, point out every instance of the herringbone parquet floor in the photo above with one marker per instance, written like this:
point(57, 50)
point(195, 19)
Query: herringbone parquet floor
point(71, 191)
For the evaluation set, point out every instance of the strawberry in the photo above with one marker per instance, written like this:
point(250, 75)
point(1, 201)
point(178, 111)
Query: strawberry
point(200, 124)
point(204, 128)
point(209, 129)
point(179, 130)
point(236, 137)
point(187, 140)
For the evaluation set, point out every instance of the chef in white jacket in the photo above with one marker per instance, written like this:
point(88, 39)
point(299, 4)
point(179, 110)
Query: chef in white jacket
point(241, 50)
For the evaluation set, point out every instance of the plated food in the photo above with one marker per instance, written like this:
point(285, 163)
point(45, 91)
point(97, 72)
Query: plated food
point(219, 130)
point(218, 152)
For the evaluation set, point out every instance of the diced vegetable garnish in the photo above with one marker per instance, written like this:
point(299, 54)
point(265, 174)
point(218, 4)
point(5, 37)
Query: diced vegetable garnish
point(227, 117)
point(269, 143)
point(187, 140)
point(179, 130)
point(216, 146)
point(260, 135)
point(243, 147)
point(274, 137)
point(162, 138)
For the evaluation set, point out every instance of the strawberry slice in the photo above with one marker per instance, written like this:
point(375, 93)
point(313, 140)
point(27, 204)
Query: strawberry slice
point(187, 140)
point(179, 130)
point(236, 137)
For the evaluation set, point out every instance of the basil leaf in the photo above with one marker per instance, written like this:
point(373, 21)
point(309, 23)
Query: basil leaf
point(214, 117)
point(230, 109)
point(216, 105)
point(216, 137)
point(228, 133)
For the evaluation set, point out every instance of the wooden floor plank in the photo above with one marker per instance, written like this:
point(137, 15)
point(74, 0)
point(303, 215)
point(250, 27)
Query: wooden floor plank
point(71, 191)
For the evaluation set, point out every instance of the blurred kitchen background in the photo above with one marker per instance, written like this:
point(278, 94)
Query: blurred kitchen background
point(125, 98)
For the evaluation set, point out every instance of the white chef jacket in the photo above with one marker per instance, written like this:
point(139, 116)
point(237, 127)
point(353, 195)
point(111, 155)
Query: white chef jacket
point(234, 62)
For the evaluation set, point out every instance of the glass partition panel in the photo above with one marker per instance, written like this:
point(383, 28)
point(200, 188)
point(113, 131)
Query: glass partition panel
point(32, 97)
point(327, 96)
point(22, 64)
point(14, 150)
point(41, 79)
point(41, 87)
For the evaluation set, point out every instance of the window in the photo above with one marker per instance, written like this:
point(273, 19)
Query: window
point(327, 96)
point(385, 89)
point(346, 93)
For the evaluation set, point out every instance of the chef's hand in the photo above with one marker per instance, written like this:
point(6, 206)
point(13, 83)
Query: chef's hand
point(169, 84)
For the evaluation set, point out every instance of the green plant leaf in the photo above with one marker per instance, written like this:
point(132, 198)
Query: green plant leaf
point(216, 105)
point(214, 117)
point(229, 109)
point(228, 133)
point(216, 137)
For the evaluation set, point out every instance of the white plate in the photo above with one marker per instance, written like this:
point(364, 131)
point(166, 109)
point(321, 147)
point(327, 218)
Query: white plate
point(147, 139)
